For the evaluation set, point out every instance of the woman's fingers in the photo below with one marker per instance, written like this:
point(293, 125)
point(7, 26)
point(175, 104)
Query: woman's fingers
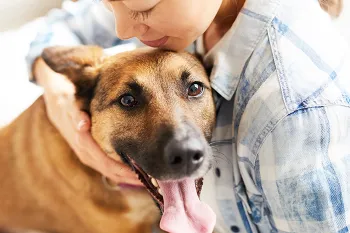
point(82, 121)
point(74, 125)
point(103, 163)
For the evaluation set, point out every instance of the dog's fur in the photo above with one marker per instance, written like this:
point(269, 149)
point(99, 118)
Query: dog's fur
point(43, 184)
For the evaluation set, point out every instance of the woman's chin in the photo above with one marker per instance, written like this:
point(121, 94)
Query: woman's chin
point(176, 45)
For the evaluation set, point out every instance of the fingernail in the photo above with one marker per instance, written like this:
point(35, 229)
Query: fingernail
point(81, 124)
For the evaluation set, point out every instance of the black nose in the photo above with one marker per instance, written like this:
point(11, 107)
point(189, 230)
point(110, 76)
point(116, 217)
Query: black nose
point(184, 156)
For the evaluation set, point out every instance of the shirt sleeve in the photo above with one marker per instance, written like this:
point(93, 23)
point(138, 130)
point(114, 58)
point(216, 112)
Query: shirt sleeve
point(80, 22)
point(304, 171)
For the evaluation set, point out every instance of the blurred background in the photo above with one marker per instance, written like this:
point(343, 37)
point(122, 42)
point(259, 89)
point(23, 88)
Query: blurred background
point(14, 13)
point(19, 23)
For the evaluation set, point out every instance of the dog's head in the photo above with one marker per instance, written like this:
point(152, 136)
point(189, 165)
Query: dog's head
point(153, 108)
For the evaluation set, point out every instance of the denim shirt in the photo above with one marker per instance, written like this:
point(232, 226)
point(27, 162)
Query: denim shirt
point(282, 137)
point(281, 81)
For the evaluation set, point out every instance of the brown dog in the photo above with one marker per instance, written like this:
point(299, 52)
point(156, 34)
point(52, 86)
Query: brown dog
point(151, 108)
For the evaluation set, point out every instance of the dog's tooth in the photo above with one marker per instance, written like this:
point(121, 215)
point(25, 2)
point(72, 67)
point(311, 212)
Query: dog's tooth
point(154, 182)
point(160, 191)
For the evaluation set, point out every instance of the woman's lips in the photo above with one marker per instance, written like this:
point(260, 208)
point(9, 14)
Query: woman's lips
point(156, 43)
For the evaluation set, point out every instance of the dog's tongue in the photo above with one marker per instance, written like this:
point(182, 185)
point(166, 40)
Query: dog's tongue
point(183, 211)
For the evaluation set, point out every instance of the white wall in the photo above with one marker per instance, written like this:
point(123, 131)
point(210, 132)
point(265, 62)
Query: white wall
point(14, 13)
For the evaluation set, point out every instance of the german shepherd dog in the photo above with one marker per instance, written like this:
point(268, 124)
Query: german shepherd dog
point(152, 109)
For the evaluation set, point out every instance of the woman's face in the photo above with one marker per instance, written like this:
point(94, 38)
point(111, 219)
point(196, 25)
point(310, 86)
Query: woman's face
point(171, 24)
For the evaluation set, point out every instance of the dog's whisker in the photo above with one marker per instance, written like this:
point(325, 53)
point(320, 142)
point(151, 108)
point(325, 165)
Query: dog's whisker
point(216, 150)
point(212, 144)
point(217, 157)
point(216, 162)
point(224, 158)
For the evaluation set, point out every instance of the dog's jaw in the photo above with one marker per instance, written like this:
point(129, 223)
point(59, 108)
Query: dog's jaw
point(153, 187)
point(179, 203)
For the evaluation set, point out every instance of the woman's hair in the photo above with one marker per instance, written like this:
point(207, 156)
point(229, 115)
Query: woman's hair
point(333, 7)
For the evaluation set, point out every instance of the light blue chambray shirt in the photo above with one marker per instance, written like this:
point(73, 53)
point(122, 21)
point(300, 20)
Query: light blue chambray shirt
point(281, 77)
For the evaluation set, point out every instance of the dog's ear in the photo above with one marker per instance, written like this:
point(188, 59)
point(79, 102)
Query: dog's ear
point(332, 7)
point(81, 64)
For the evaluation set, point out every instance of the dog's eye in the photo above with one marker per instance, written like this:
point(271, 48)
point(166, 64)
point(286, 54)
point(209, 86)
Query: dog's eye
point(195, 89)
point(128, 101)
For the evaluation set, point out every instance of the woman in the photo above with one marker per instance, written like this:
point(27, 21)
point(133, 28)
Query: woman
point(280, 79)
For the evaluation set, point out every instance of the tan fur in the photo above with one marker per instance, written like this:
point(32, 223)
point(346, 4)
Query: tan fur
point(45, 187)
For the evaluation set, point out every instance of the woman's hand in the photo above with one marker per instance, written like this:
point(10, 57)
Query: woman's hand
point(74, 125)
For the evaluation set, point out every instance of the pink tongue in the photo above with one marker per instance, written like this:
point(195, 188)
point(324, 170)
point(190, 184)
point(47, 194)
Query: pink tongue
point(183, 211)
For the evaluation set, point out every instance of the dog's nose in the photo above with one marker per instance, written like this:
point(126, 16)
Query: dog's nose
point(184, 155)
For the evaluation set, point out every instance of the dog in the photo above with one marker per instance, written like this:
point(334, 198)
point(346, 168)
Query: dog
point(152, 109)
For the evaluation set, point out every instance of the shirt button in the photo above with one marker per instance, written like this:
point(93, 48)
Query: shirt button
point(217, 172)
point(234, 228)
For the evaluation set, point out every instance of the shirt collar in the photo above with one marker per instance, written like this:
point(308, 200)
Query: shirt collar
point(228, 57)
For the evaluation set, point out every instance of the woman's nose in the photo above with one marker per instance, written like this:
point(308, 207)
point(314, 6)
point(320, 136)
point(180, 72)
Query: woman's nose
point(128, 28)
